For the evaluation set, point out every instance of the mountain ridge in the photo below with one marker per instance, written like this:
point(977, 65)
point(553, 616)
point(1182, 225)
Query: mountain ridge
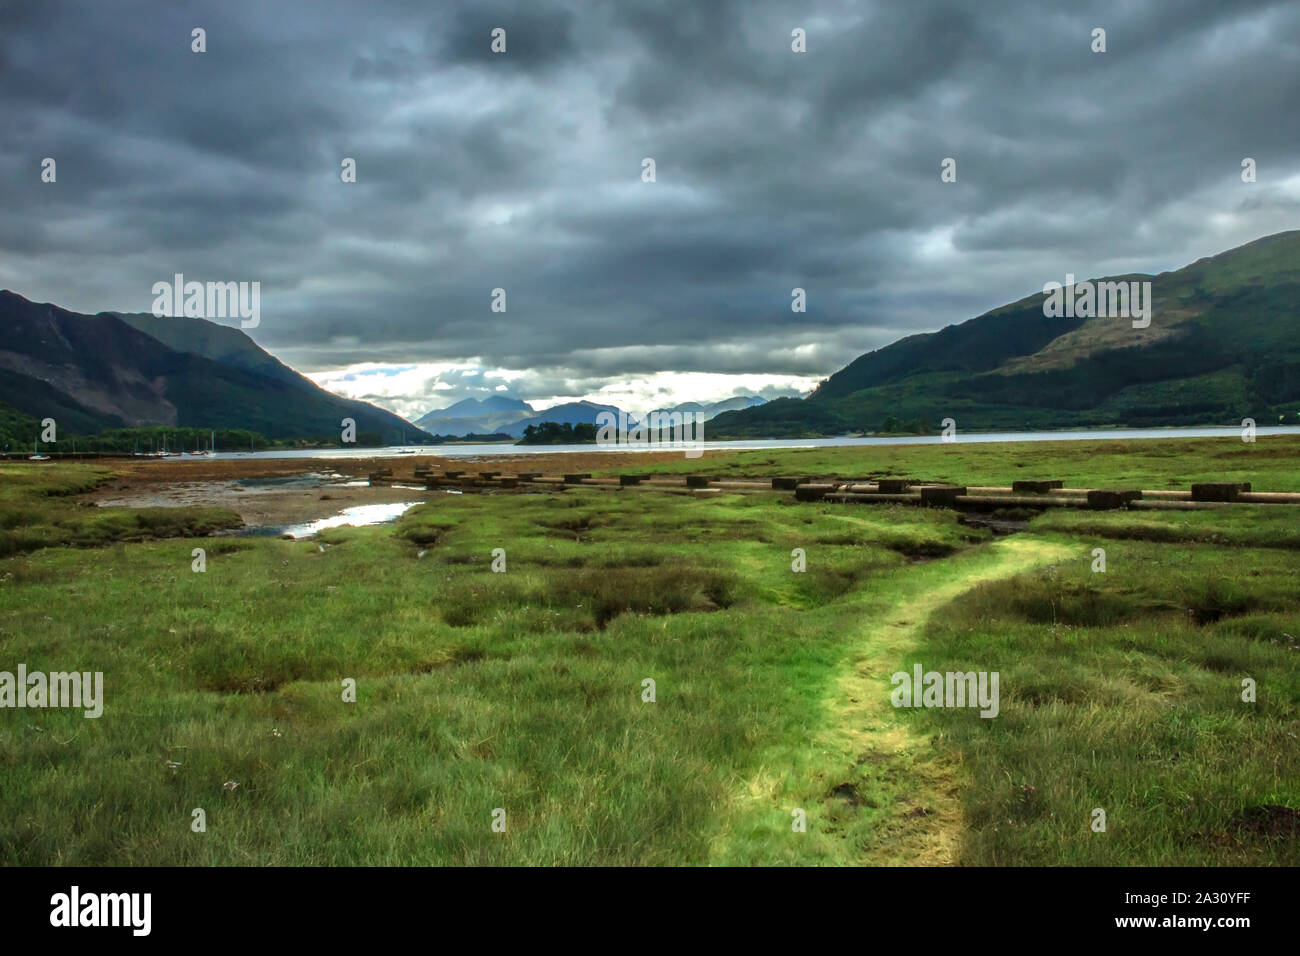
point(440, 422)
point(1223, 345)
point(91, 372)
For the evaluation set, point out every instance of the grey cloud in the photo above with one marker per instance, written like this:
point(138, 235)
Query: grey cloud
point(537, 35)
point(522, 170)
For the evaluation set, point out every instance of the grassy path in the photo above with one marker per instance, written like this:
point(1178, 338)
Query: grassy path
point(872, 788)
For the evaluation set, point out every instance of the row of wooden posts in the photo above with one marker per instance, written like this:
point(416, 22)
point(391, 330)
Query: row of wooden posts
point(1033, 494)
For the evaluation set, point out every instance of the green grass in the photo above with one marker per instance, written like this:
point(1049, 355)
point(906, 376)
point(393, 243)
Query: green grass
point(1123, 691)
point(1149, 463)
point(523, 690)
point(36, 511)
point(477, 690)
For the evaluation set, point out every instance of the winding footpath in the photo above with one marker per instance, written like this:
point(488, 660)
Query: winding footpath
point(908, 788)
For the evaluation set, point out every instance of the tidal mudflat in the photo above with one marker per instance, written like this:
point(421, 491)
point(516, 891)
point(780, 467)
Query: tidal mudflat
point(265, 505)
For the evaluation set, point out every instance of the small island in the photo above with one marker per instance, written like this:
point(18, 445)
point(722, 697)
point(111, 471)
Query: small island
point(559, 433)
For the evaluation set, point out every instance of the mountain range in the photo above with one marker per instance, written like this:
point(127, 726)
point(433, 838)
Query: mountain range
point(478, 416)
point(510, 416)
point(1223, 344)
point(120, 370)
point(116, 370)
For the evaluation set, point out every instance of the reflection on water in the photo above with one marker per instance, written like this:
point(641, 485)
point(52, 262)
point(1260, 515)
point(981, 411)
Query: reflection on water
point(356, 517)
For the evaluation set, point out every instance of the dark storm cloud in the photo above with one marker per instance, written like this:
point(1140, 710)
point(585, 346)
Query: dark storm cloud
point(538, 35)
point(522, 170)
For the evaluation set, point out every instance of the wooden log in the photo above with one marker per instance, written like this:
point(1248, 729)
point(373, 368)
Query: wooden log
point(1107, 499)
point(893, 486)
point(489, 475)
point(998, 502)
point(1035, 487)
point(860, 488)
point(528, 475)
point(699, 481)
point(812, 492)
point(1268, 498)
point(1218, 490)
point(1166, 505)
point(576, 479)
point(941, 495)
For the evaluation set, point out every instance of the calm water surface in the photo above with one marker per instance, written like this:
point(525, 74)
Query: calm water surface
point(518, 451)
point(358, 516)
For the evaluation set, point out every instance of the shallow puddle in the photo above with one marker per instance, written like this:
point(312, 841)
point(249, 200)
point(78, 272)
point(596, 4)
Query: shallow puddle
point(357, 517)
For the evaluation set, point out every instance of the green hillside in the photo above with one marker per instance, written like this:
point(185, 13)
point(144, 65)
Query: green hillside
point(107, 371)
point(17, 431)
point(1223, 344)
point(220, 343)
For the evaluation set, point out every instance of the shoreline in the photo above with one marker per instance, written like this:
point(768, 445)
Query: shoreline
point(501, 452)
point(245, 485)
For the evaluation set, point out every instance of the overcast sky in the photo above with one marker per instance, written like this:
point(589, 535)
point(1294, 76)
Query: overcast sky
point(523, 170)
